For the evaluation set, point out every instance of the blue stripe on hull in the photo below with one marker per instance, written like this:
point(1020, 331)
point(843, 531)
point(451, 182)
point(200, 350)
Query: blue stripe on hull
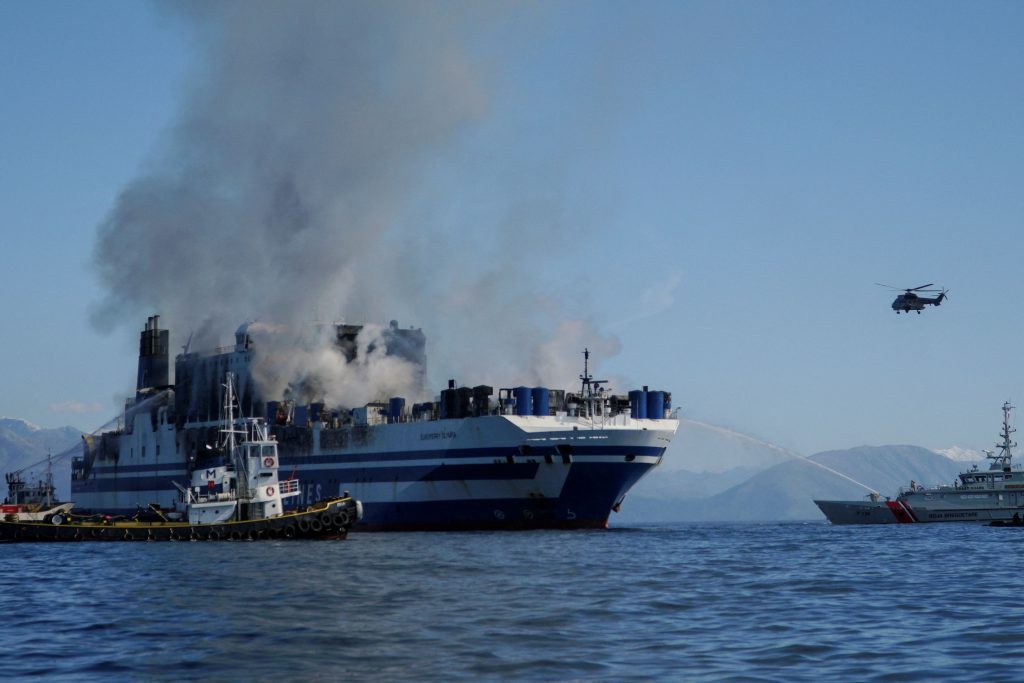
point(397, 474)
point(438, 455)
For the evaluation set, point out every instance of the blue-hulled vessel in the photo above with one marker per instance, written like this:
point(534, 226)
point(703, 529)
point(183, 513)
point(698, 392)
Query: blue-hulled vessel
point(472, 458)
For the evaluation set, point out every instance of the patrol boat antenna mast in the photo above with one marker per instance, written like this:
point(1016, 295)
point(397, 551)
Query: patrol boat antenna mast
point(1005, 455)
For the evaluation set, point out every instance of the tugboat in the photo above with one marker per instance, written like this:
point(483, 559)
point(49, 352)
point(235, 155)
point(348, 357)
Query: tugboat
point(992, 495)
point(32, 502)
point(239, 496)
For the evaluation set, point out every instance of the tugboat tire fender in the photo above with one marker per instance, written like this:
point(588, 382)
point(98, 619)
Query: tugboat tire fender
point(289, 531)
point(315, 525)
point(236, 535)
point(303, 525)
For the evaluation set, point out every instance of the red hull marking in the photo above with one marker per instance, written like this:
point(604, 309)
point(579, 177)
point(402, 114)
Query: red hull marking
point(901, 511)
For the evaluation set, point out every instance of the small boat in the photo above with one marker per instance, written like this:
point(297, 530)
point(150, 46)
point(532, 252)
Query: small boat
point(235, 494)
point(1016, 520)
point(32, 501)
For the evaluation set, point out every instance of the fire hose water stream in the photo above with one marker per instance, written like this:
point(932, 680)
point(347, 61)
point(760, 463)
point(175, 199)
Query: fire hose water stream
point(779, 449)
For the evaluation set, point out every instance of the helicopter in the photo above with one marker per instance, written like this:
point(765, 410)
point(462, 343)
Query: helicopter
point(909, 301)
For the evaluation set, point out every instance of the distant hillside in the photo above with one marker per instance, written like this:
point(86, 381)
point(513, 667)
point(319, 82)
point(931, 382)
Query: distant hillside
point(23, 443)
point(786, 491)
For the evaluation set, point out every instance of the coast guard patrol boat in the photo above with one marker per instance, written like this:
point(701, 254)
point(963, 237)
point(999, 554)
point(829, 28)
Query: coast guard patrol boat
point(530, 457)
point(979, 496)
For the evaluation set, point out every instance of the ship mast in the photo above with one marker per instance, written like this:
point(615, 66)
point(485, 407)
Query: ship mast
point(1002, 460)
point(229, 431)
point(590, 389)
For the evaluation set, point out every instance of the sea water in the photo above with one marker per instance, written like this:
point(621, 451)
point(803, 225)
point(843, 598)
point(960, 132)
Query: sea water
point(771, 602)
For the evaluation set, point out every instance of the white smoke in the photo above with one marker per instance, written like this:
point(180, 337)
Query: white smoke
point(309, 366)
point(283, 191)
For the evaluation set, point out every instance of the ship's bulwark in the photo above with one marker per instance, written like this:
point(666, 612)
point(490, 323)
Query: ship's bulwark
point(470, 463)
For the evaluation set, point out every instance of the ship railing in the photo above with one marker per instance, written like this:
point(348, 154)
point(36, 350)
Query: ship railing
point(288, 486)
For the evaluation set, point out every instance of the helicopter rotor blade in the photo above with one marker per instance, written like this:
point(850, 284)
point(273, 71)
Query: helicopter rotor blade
point(889, 286)
point(915, 289)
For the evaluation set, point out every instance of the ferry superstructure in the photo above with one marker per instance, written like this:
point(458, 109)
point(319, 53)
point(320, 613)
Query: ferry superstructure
point(530, 457)
point(979, 496)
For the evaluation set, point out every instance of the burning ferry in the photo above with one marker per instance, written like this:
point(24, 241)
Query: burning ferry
point(524, 457)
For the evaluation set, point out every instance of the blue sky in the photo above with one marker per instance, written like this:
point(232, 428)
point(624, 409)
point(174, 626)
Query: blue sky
point(715, 184)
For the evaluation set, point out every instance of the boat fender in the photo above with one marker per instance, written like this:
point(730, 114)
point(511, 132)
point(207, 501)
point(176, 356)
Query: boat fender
point(236, 535)
point(289, 531)
point(326, 520)
point(343, 518)
point(214, 535)
point(315, 526)
point(270, 490)
point(96, 533)
point(268, 462)
point(303, 525)
point(57, 520)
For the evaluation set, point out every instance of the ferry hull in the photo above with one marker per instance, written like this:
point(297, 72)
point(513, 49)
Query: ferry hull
point(567, 478)
point(577, 495)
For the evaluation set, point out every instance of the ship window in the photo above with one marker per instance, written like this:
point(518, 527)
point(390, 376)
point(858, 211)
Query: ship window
point(268, 450)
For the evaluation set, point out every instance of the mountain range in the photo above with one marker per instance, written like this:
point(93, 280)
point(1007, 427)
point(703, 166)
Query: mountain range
point(712, 473)
point(23, 444)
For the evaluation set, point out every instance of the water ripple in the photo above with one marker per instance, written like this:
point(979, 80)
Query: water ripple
point(784, 602)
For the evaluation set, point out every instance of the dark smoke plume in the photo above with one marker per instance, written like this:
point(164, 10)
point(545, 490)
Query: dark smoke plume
point(282, 192)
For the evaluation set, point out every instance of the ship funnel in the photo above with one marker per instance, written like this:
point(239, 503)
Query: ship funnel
point(153, 356)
